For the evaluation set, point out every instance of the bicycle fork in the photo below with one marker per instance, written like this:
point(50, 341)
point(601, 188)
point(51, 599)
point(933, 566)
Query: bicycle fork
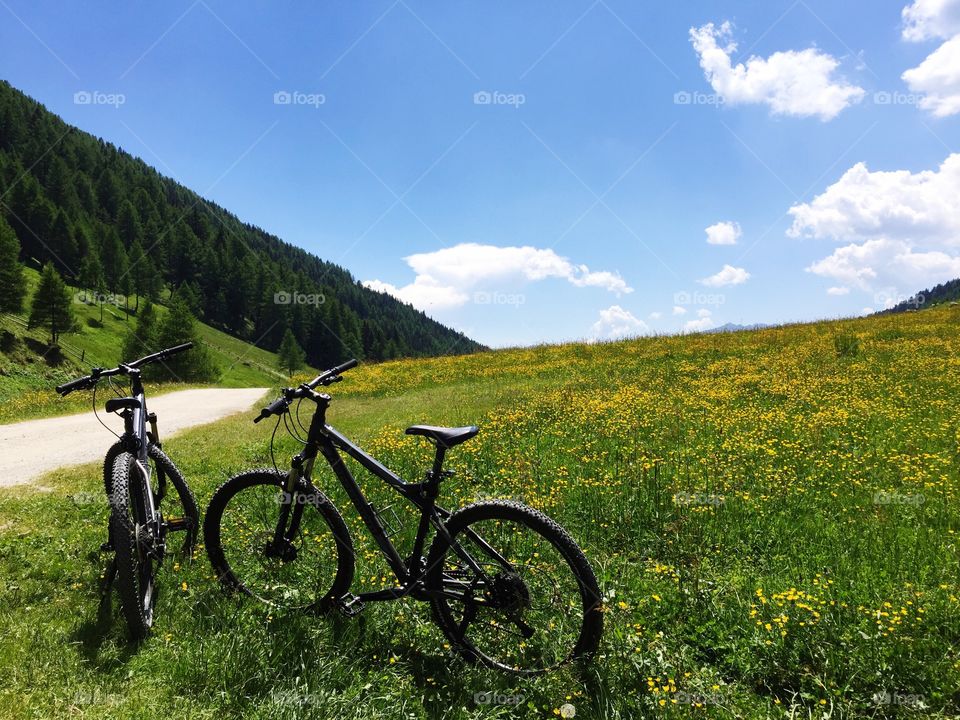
point(281, 546)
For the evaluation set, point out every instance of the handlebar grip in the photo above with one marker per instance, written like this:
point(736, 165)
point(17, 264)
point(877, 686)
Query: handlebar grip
point(160, 355)
point(69, 387)
point(345, 366)
point(275, 408)
point(177, 349)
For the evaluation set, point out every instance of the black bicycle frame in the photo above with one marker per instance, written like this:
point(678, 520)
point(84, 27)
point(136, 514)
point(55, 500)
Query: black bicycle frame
point(136, 441)
point(325, 440)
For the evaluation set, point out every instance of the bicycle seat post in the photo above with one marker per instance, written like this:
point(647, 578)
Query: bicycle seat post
point(437, 472)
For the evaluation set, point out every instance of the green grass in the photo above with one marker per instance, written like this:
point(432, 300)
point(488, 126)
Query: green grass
point(774, 525)
point(28, 372)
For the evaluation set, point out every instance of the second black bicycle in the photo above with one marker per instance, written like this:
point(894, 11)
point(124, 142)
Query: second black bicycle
point(507, 585)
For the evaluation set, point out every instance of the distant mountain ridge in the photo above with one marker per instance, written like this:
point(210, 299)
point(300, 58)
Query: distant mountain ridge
point(734, 327)
point(110, 222)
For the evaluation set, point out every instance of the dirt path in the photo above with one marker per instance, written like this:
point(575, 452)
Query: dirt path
point(32, 448)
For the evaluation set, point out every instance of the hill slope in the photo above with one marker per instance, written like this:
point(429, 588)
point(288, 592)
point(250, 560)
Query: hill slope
point(93, 209)
point(28, 372)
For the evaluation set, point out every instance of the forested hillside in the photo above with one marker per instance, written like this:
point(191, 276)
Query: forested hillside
point(111, 223)
point(944, 292)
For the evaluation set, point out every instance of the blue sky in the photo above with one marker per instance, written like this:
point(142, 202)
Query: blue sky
point(545, 171)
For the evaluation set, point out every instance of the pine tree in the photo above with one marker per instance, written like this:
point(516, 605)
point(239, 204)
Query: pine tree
point(179, 326)
point(128, 225)
point(141, 272)
point(52, 305)
point(91, 271)
point(114, 259)
point(63, 246)
point(290, 355)
point(12, 284)
point(143, 340)
point(108, 194)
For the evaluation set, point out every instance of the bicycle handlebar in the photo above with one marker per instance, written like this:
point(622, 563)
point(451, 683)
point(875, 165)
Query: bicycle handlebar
point(327, 377)
point(332, 372)
point(88, 381)
point(161, 355)
point(69, 387)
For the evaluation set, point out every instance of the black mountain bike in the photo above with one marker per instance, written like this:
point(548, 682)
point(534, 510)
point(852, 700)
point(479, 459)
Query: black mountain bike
point(135, 475)
point(507, 585)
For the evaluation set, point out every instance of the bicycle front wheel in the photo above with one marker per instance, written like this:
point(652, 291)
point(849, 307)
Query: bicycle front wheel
point(138, 552)
point(512, 590)
point(308, 567)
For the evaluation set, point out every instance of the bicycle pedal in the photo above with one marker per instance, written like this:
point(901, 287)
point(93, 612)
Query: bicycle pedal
point(350, 605)
point(177, 524)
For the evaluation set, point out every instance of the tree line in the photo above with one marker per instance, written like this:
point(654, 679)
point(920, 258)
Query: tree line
point(108, 222)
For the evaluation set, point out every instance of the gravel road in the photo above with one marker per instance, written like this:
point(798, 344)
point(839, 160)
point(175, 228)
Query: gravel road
point(32, 448)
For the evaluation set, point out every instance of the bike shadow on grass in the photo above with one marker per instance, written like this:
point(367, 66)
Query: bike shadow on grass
point(443, 677)
point(106, 624)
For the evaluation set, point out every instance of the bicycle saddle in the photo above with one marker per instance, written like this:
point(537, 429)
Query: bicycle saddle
point(121, 403)
point(446, 437)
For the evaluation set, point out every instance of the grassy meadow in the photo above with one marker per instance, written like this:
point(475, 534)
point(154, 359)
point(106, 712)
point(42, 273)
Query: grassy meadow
point(773, 516)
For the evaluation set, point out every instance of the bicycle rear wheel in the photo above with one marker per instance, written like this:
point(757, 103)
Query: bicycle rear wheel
point(512, 590)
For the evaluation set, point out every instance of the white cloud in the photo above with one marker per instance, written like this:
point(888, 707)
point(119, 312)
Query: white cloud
point(937, 79)
point(616, 323)
point(929, 19)
point(888, 264)
point(655, 315)
point(729, 275)
point(723, 233)
point(838, 291)
point(898, 230)
point(791, 82)
point(679, 310)
point(897, 205)
point(422, 293)
point(443, 277)
point(703, 322)
point(866, 311)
